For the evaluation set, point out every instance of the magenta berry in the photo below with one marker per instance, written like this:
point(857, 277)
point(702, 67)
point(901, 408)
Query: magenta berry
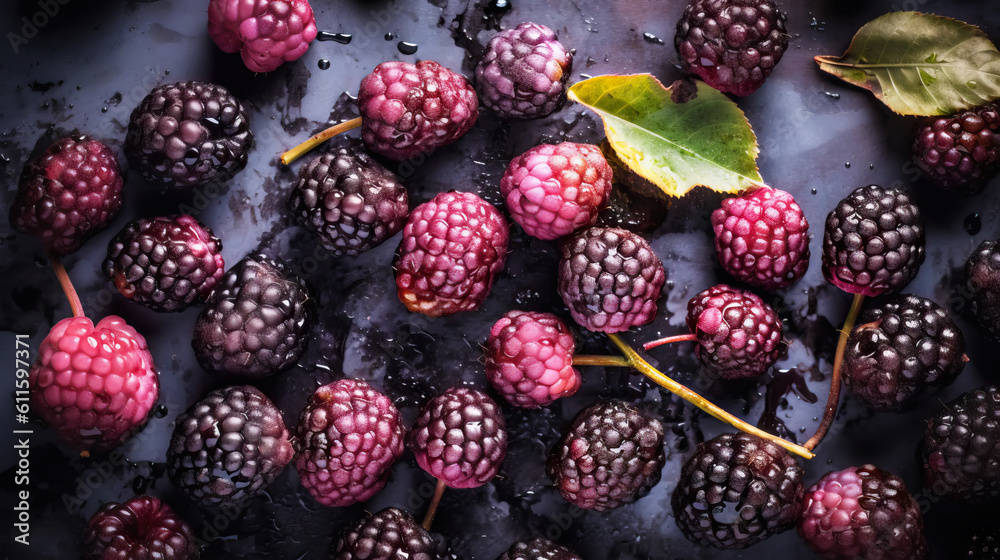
point(739, 336)
point(408, 110)
point(862, 513)
point(94, 384)
point(264, 32)
point(762, 238)
point(347, 439)
point(452, 249)
point(554, 190)
point(529, 359)
point(68, 194)
point(460, 438)
point(140, 528)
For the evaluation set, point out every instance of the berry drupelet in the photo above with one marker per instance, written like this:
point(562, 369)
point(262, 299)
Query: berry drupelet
point(554, 190)
point(410, 110)
point(762, 238)
point(610, 279)
point(731, 44)
point(94, 384)
point(538, 549)
point(982, 277)
point(390, 534)
point(737, 490)
point(72, 191)
point(460, 438)
point(143, 528)
point(739, 336)
point(452, 249)
point(347, 439)
point(610, 455)
point(227, 447)
point(529, 359)
point(165, 263)
point(873, 243)
point(961, 450)
point(959, 152)
point(256, 322)
point(349, 201)
point(903, 344)
point(188, 134)
point(523, 73)
point(265, 33)
point(862, 513)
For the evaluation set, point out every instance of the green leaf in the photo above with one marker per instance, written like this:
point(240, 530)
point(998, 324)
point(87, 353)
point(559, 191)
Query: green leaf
point(680, 137)
point(920, 64)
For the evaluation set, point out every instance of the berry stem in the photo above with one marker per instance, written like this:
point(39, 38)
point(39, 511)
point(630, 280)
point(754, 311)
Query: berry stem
point(669, 340)
point(317, 139)
point(608, 361)
point(833, 401)
point(67, 284)
point(643, 367)
point(435, 501)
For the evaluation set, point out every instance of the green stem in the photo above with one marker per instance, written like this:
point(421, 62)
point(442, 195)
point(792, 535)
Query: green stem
point(642, 366)
point(833, 401)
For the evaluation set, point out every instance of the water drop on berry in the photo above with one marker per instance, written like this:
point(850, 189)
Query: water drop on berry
point(973, 223)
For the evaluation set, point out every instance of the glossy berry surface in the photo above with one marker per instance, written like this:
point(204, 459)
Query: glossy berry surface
point(538, 549)
point(982, 278)
point(762, 238)
point(227, 447)
point(408, 110)
point(390, 534)
point(72, 191)
point(733, 45)
point(460, 438)
point(739, 336)
point(264, 32)
point(610, 279)
point(737, 490)
point(165, 263)
point(347, 438)
point(900, 346)
point(187, 134)
point(959, 152)
point(611, 454)
point(95, 385)
point(452, 249)
point(142, 528)
point(256, 322)
point(349, 201)
point(862, 512)
point(529, 359)
point(523, 73)
point(554, 190)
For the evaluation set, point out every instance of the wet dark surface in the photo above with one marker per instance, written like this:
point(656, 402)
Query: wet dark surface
point(93, 61)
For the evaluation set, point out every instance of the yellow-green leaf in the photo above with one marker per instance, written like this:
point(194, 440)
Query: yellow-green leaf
point(920, 64)
point(680, 137)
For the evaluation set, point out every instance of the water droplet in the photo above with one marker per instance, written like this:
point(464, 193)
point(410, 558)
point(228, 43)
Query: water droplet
point(871, 166)
point(389, 36)
point(847, 164)
point(323, 64)
point(813, 190)
point(104, 109)
point(342, 38)
point(131, 29)
point(493, 11)
point(650, 38)
point(972, 84)
point(973, 223)
point(161, 411)
point(407, 47)
point(832, 95)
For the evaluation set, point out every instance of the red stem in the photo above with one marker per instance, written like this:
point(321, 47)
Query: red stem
point(67, 284)
point(670, 340)
point(435, 501)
